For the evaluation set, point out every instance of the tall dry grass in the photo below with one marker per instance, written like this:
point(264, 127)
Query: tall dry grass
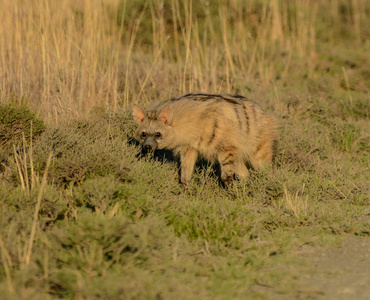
point(68, 58)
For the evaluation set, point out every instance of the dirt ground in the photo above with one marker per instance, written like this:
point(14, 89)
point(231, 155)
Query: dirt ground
point(333, 273)
point(339, 272)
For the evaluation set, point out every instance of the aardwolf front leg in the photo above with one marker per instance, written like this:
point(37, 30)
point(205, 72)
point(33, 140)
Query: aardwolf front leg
point(188, 158)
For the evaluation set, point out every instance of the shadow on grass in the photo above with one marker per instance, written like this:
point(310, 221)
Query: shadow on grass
point(166, 156)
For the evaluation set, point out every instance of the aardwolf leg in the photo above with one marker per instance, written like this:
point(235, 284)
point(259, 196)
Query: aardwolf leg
point(188, 158)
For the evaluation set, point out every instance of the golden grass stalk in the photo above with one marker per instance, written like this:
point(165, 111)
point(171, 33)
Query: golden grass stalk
point(347, 86)
point(297, 205)
point(19, 168)
point(37, 209)
point(27, 183)
point(129, 52)
point(151, 69)
point(7, 264)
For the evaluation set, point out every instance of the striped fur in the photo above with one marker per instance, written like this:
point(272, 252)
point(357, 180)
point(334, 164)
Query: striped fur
point(233, 130)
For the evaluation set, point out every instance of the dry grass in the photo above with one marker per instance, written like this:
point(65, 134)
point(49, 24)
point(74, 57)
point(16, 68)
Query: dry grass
point(69, 58)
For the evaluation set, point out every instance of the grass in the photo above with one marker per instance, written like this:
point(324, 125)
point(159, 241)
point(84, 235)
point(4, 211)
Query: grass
point(84, 216)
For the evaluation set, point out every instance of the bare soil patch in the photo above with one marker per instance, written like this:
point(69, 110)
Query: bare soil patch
point(338, 272)
point(333, 273)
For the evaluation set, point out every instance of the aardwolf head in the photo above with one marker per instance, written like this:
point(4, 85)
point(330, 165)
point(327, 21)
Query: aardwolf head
point(154, 131)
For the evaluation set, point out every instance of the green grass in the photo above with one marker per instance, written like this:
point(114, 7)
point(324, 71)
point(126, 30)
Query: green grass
point(111, 222)
point(103, 222)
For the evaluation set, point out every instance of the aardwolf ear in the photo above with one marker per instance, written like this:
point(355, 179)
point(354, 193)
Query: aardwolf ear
point(138, 114)
point(166, 115)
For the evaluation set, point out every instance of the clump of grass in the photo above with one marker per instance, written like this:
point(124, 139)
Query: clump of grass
point(16, 122)
point(348, 137)
point(101, 193)
point(17, 125)
point(84, 149)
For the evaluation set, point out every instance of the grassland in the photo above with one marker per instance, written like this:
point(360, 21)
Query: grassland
point(84, 216)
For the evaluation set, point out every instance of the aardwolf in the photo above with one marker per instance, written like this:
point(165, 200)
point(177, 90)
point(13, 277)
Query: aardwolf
point(231, 129)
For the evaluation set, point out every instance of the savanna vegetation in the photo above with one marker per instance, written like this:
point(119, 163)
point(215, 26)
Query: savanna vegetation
point(84, 216)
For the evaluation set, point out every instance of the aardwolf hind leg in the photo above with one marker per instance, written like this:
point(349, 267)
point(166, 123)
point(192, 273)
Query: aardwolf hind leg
point(230, 164)
point(241, 170)
point(263, 155)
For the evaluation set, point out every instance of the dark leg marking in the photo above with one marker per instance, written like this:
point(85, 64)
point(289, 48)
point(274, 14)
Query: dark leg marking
point(228, 159)
point(258, 147)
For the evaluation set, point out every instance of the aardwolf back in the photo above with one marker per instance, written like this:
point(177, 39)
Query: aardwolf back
point(231, 129)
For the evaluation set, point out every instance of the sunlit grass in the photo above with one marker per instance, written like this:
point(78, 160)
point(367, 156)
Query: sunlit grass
point(97, 220)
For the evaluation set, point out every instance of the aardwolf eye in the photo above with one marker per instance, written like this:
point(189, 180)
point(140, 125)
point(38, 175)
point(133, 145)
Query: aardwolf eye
point(157, 135)
point(143, 134)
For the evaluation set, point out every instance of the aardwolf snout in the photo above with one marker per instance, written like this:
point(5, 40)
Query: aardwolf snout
point(149, 145)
